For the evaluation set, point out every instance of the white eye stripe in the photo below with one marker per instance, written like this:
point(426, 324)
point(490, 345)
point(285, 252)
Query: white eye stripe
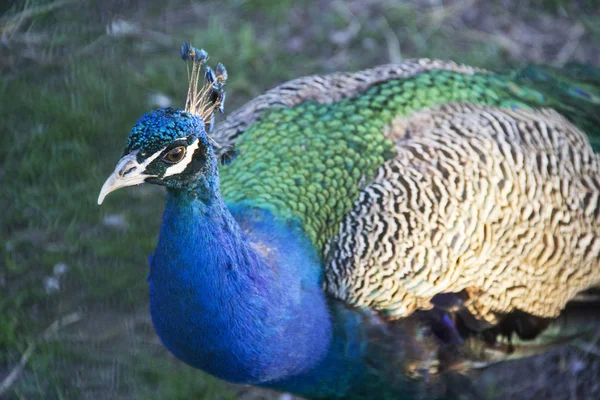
point(151, 158)
point(140, 167)
point(181, 165)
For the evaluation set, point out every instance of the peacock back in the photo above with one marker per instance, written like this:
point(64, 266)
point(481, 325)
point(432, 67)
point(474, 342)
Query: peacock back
point(430, 177)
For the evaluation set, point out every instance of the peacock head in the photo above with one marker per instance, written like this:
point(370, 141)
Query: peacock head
point(171, 146)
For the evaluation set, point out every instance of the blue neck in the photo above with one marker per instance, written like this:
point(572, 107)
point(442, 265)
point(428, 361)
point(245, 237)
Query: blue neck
point(238, 294)
point(240, 301)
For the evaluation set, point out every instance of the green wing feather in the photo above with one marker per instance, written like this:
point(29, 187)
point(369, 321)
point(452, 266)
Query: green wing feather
point(308, 159)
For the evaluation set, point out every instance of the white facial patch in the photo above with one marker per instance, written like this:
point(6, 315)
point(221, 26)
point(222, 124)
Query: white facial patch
point(182, 165)
point(149, 159)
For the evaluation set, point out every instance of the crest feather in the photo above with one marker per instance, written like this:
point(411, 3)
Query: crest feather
point(203, 99)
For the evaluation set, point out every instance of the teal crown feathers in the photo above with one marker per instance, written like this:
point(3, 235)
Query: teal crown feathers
point(210, 96)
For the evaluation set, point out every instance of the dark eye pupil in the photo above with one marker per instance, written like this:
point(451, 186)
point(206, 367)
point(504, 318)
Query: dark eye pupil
point(175, 155)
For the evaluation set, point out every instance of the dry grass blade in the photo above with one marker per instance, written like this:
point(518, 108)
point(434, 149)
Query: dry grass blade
point(60, 323)
point(570, 46)
point(12, 23)
point(393, 44)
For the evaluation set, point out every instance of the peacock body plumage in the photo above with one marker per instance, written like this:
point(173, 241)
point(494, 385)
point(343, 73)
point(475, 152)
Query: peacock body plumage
point(367, 230)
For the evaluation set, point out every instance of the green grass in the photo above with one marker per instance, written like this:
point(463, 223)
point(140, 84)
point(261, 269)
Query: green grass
point(70, 93)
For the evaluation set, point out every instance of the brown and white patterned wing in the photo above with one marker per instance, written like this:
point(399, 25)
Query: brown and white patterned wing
point(504, 204)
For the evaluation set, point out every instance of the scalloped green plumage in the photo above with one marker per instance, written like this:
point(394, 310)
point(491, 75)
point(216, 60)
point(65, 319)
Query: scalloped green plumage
point(279, 164)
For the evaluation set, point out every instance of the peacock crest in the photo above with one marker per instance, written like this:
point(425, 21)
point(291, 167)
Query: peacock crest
point(203, 99)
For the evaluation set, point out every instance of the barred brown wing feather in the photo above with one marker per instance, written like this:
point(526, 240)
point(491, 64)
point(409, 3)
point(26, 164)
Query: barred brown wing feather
point(503, 204)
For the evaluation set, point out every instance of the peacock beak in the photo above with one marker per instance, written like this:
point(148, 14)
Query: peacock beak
point(128, 172)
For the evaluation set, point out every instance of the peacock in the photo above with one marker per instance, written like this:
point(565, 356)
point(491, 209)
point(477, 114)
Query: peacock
point(364, 235)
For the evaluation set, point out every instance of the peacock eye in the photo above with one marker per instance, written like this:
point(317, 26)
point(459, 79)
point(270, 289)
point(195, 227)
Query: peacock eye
point(175, 155)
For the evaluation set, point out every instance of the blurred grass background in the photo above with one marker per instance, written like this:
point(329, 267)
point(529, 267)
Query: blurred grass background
point(75, 77)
